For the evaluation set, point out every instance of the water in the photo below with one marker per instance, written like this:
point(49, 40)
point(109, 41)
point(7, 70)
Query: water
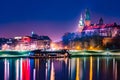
point(80, 68)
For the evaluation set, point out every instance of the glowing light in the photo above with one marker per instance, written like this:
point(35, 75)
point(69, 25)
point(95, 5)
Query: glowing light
point(87, 22)
point(52, 76)
point(25, 70)
point(17, 37)
point(78, 70)
point(33, 46)
point(26, 39)
point(17, 70)
point(78, 47)
point(54, 46)
point(21, 69)
point(34, 74)
point(91, 69)
point(81, 24)
point(66, 47)
point(91, 48)
point(5, 47)
point(17, 47)
point(6, 70)
point(32, 32)
point(41, 46)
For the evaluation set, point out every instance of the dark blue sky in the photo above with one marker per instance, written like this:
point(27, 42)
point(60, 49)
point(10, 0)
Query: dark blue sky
point(52, 17)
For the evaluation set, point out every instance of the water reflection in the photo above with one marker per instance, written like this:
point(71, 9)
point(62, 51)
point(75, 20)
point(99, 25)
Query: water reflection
point(6, 70)
point(83, 68)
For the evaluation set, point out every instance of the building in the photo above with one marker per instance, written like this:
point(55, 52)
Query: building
point(93, 36)
point(33, 42)
point(43, 42)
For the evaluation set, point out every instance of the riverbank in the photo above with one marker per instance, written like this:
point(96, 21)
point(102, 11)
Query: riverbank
point(58, 54)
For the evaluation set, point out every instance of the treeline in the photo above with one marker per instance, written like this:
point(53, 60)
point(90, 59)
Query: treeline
point(94, 42)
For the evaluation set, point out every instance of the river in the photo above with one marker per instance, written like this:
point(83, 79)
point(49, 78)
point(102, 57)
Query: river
point(76, 68)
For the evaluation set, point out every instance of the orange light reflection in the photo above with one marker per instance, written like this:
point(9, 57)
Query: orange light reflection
point(91, 69)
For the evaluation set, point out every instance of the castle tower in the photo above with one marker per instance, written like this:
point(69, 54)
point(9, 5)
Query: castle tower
point(87, 18)
point(81, 24)
point(101, 21)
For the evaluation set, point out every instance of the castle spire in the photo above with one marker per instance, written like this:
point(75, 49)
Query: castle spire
point(101, 21)
point(81, 24)
point(87, 14)
point(87, 21)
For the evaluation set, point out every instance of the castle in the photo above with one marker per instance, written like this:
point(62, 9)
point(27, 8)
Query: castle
point(93, 36)
point(105, 30)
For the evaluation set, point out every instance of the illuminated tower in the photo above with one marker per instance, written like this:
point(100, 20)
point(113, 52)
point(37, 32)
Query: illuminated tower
point(87, 18)
point(32, 33)
point(81, 24)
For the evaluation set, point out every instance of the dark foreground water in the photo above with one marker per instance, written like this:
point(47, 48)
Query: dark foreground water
point(82, 68)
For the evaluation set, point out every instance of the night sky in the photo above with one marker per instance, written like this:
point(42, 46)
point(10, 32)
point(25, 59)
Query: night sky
point(52, 17)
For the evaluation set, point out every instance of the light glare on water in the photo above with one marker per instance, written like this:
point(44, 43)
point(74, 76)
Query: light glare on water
point(78, 68)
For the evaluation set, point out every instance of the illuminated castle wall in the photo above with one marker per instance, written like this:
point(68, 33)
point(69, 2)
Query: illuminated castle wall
point(106, 30)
